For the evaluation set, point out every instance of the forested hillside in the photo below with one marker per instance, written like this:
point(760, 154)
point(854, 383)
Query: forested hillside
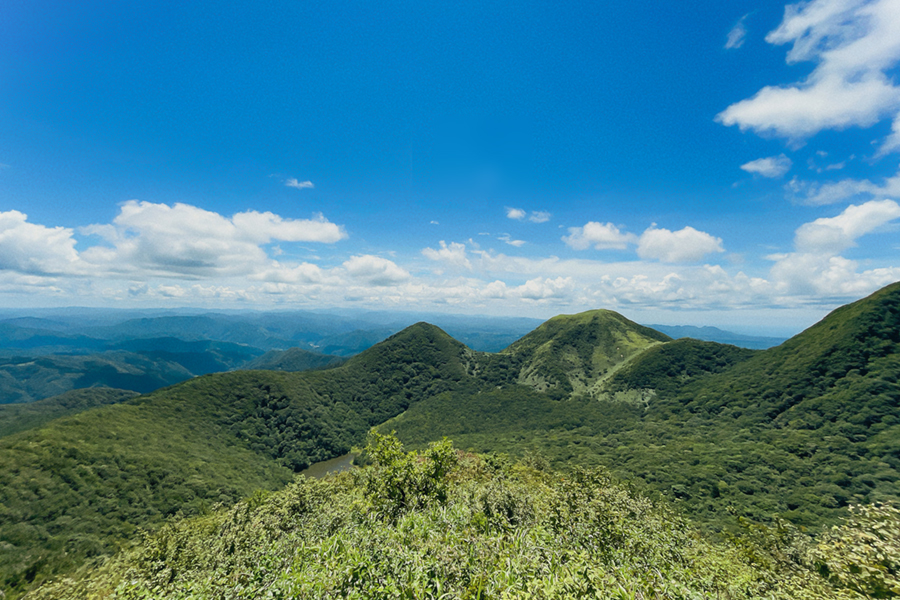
point(80, 485)
point(445, 524)
point(19, 417)
point(798, 432)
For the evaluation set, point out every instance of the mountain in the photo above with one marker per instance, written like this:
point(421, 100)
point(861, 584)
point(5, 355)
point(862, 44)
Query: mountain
point(19, 417)
point(293, 359)
point(577, 353)
point(714, 334)
point(25, 379)
point(799, 431)
point(78, 486)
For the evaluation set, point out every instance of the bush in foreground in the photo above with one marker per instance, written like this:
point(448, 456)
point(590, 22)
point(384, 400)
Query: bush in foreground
point(444, 524)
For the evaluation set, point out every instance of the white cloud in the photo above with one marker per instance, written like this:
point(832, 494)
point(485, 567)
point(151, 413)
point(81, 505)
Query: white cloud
point(835, 234)
point(453, 254)
point(265, 227)
point(508, 240)
point(304, 273)
point(542, 288)
point(32, 249)
point(515, 213)
point(300, 185)
point(815, 269)
point(184, 240)
point(737, 34)
point(684, 245)
point(892, 141)
point(772, 167)
point(537, 216)
point(818, 277)
point(820, 194)
point(375, 271)
point(854, 43)
point(600, 236)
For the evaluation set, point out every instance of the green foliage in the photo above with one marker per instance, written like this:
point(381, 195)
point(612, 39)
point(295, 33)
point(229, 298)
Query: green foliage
point(863, 554)
point(400, 481)
point(572, 353)
point(78, 487)
point(19, 417)
point(797, 432)
point(293, 359)
point(502, 530)
point(26, 379)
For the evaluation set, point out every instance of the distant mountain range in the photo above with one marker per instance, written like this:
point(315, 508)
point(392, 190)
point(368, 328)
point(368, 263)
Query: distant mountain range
point(714, 334)
point(143, 351)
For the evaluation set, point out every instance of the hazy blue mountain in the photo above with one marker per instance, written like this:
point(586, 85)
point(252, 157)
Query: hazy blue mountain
point(714, 334)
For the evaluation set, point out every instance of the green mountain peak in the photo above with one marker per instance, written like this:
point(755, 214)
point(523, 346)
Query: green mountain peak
point(578, 353)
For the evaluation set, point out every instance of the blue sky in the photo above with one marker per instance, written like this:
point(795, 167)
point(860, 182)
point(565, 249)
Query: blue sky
point(733, 164)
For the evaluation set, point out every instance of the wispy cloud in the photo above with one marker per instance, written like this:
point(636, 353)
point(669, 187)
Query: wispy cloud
point(820, 194)
point(772, 167)
point(300, 185)
point(506, 238)
point(854, 44)
point(536, 216)
point(737, 35)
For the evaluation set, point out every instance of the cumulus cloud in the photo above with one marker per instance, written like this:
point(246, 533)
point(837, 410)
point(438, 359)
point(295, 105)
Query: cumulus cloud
point(33, 249)
point(816, 269)
point(853, 43)
point(737, 34)
point(599, 235)
point(189, 241)
point(300, 185)
point(542, 288)
point(684, 245)
point(539, 216)
point(376, 271)
point(818, 277)
point(453, 254)
point(835, 234)
point(265, 227)
point(772, 167)
point(515, 213)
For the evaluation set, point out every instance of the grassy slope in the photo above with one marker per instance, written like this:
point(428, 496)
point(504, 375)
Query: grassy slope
point(677, 441)
point(576, 353)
